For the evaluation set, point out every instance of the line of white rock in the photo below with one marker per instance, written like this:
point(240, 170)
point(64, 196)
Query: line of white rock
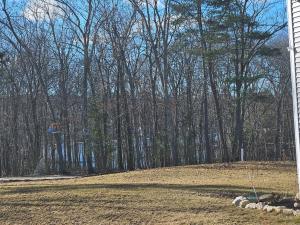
point(243, 202)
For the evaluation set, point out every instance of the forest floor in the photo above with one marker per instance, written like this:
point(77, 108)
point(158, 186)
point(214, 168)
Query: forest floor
point(200, 194)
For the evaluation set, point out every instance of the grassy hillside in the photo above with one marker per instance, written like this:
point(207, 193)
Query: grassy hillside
point(180, 195)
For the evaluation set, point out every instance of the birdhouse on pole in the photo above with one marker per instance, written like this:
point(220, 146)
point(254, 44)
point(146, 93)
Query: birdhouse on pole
point(293, 9)
point(54, 128)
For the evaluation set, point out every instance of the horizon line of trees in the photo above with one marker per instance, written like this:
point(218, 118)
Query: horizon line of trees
point(99, 86)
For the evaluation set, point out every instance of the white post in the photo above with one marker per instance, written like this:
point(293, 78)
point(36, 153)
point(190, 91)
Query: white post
point(242, 154)
point(294, 87)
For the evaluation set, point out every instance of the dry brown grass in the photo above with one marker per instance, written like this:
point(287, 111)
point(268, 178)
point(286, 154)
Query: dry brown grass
point(179, 195)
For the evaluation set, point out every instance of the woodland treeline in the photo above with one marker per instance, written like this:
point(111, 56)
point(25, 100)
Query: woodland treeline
point(99, 86)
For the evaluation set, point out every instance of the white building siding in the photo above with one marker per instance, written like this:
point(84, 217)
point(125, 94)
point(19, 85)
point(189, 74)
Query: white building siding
point(295, 5)
point(293, 9)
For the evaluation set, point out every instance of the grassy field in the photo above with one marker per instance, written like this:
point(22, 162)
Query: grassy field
point(180, 195)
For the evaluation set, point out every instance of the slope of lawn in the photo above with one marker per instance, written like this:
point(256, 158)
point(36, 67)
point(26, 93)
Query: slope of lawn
point(199, 194)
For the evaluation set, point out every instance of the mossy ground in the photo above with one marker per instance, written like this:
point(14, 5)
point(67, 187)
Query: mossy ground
point(199, 194)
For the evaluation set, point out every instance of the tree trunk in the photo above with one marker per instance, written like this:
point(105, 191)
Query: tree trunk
point(225, 155)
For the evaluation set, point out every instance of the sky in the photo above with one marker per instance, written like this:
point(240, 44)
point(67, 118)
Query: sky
point(36, 4)
point(278, 11)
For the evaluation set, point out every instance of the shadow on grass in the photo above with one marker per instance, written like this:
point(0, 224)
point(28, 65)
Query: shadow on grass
point(123, 202)
point(138, 205)
point(126, 198)
point(228, 191)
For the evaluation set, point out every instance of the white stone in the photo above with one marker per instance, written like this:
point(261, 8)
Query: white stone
point(288, 211)
point(297, 204)
point(260, 205)
point(270, 208)
point(279, 209)
point(296, 212)
point(243, 203)
point(237, 200)
point(251, 205)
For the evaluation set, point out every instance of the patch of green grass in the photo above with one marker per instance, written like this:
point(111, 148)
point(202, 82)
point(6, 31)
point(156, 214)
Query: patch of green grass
point(179, 195)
